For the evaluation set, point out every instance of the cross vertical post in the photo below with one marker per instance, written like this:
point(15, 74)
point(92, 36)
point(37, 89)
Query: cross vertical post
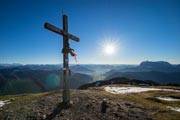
point(66, 92)
point(66, 49)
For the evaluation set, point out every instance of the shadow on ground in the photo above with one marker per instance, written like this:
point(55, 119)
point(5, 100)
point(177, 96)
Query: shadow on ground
point(61, 106)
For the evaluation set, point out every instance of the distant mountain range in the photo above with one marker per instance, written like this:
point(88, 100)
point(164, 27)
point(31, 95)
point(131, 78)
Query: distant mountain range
point(81, 69)
point(147, 66)
point(162, 72)
point(17, 78)
point(160, 77)
point(88, 68)
point(159, 66)
point(22, 79)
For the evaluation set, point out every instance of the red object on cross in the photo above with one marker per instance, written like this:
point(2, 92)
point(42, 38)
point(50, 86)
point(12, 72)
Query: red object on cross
point(75, 57)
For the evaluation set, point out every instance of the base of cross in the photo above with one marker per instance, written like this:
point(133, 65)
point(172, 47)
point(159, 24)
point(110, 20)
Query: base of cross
point(67, 104)
point(66, 97)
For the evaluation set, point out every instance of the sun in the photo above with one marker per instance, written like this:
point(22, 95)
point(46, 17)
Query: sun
point(110, 46)
point(109, 49)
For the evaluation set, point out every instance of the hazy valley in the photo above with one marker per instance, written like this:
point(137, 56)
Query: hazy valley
point(16, 78)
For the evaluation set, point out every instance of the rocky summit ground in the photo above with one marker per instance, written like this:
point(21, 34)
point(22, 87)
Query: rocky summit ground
point(86, 105)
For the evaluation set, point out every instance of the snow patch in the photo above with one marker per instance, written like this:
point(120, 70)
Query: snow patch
point(125, 90)
point(168, 99)
point(2, 103)
point(174, 108)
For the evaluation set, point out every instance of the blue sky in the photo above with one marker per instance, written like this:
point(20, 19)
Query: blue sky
point(143, 29)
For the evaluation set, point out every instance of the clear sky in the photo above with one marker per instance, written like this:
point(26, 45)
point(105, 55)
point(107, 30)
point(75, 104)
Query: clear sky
point(140, 29)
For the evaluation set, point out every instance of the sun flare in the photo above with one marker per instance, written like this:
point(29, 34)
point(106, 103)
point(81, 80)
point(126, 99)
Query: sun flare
point(110, 47)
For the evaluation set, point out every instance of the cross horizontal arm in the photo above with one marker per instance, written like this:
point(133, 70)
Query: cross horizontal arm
point(59, 31)
point(53, 28)
point(72, 37)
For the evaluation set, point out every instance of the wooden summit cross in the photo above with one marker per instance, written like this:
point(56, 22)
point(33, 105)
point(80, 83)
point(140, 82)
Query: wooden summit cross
point(66, 49)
